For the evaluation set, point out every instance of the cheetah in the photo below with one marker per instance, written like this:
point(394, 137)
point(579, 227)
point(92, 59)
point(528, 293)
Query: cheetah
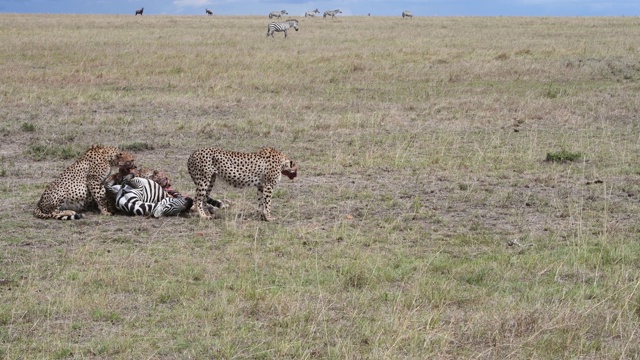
point(81, 184)
point(261, 169)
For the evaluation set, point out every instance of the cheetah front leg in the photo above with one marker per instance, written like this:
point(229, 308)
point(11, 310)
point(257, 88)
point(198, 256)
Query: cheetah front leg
point(203, 189)
point(99, 194)
point(264, 202)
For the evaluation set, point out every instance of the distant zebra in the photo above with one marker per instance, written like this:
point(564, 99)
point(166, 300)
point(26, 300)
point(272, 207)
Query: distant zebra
point(331, 13)
point(407, 13)
point(278, 14)
point(282, 26)
point(139, 12)
point(312, 13)
point(209, 12)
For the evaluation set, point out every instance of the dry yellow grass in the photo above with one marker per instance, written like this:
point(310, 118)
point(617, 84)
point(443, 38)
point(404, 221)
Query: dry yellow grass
point(425, 221)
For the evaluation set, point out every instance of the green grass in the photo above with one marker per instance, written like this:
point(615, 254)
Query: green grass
point(39, 152)
point(424, 223)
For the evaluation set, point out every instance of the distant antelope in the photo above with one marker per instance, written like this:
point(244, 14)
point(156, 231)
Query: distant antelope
point(331, 13)
point(209, 12)
point(278, 14)
point(139, 12)
point(312, 13)
point(407, 13)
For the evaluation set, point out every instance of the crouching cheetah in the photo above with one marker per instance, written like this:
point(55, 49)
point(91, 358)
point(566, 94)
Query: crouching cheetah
point(81, 183)
point(261, 169)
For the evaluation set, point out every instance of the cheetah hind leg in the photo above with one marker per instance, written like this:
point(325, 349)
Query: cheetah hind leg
point(64, 214)
point(69, 215)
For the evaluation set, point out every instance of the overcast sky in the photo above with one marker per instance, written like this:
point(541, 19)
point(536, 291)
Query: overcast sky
point(348, 7)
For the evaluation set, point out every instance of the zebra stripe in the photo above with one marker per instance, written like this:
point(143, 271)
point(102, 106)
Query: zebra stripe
point(312, 13)
point(140, 196)
point(407, 13)
point(278, 14)
point(331, 13)
point(282, 27)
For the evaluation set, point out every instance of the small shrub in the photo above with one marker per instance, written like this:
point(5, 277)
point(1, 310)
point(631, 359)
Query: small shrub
point(523, 52)
point(553, 92)
point(137, 146)
point(63, 353)
point(28, 127)
point(502, 56)
point(563, 156)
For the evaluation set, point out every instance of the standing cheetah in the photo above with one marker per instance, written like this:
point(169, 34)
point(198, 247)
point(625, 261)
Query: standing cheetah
point(261, 169)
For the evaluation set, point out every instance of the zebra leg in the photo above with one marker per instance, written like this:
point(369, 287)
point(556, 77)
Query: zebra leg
point(214, 204)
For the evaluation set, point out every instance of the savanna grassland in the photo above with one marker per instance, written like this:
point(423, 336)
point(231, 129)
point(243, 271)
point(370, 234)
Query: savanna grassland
point(468, 188)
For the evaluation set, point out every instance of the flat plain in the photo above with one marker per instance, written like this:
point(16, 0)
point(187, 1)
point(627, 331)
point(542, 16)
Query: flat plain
point(468, 188)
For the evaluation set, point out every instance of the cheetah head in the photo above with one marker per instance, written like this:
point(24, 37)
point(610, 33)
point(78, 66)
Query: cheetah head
point(289, 168)
point(129, 167)
point(123, 159)
point(161, 178)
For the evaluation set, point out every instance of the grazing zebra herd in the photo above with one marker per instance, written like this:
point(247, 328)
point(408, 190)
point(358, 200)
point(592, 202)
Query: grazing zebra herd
point(292, 23)
point(312, 13)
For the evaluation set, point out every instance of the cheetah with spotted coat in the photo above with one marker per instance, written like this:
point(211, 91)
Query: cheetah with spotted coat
point(81, 183)
point(261, 169)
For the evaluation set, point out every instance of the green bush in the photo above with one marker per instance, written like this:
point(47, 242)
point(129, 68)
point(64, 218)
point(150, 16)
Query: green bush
point(563, 156)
